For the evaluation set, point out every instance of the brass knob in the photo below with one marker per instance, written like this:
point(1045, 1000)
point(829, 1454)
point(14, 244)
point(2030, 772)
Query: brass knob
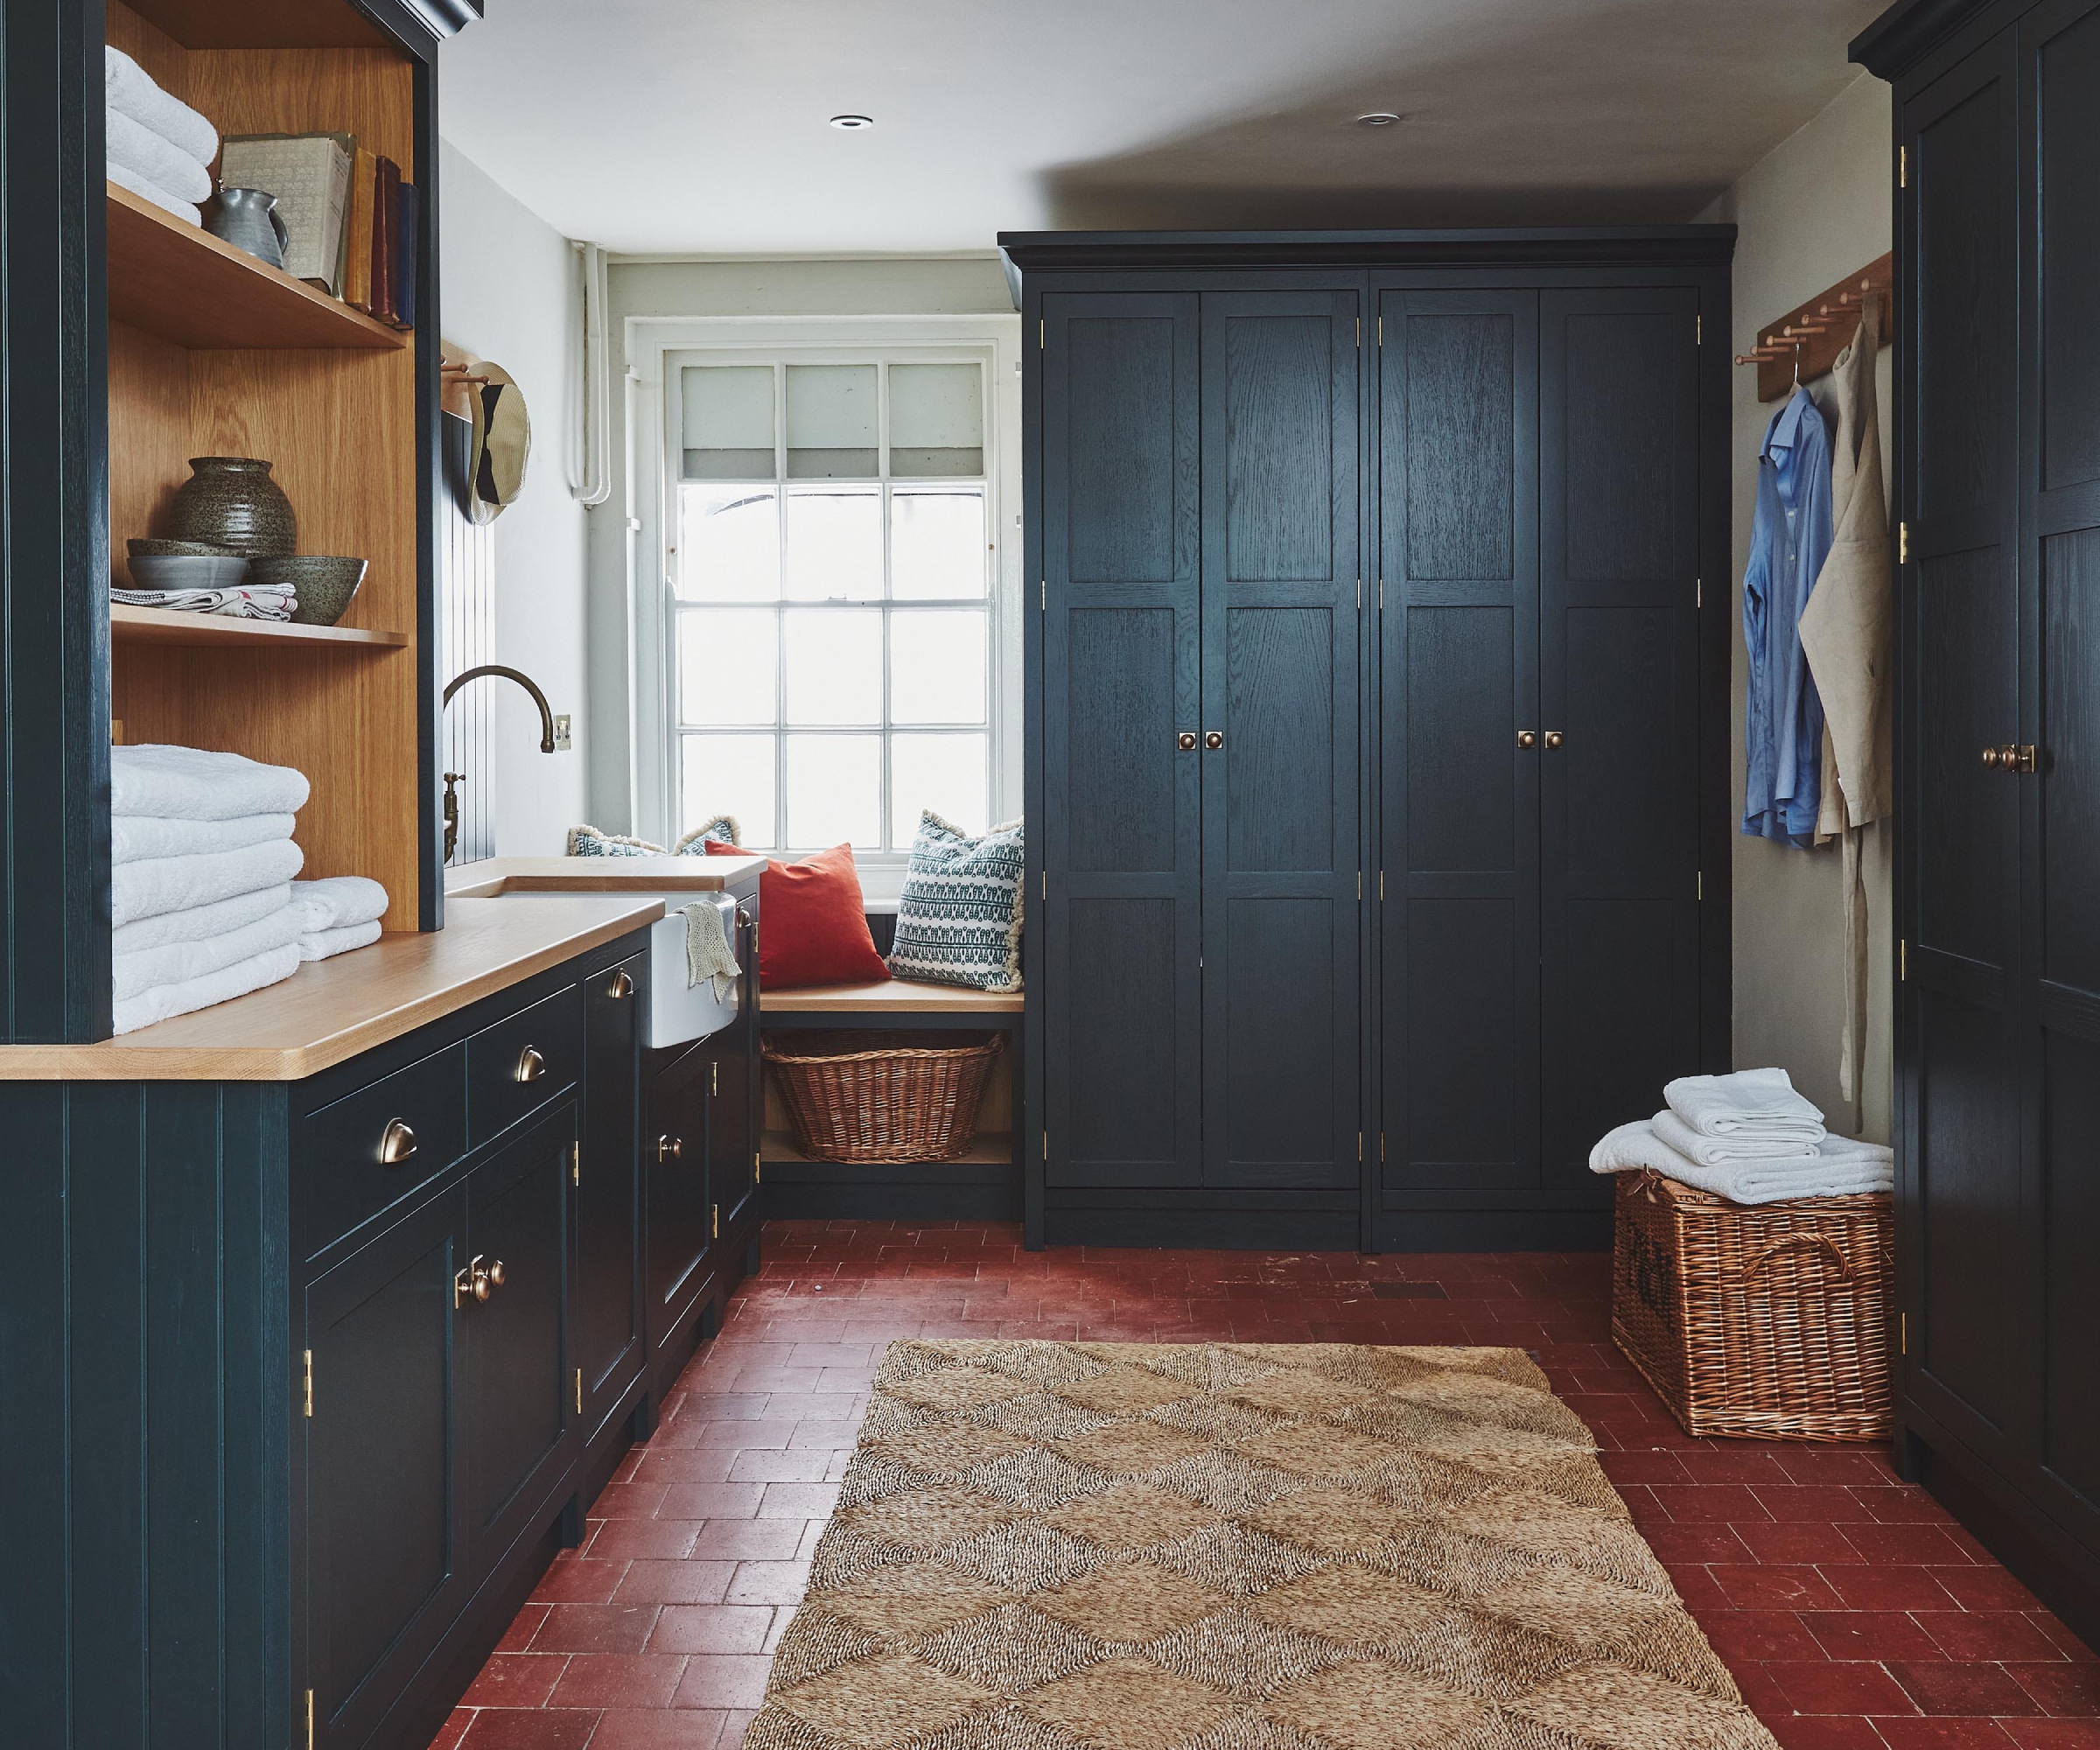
point(1554, 737)
point(669, 1148)
point(531, 1065)
point(1214, 740)
point(621, 985)
point(479, 1280)
point(1186, 741)
point(495, 1274)
point(1991, 757)
point(396, 1143)
point(1527, 738)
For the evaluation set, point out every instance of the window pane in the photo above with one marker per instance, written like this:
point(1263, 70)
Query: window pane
point(937, 545)
point(831, 430)
point(937, 665)
point(936, 419)
point(730, 775)
point(727, 662)
point(835, 545)
point(727, 421)
point(834, 665)
point(834, 791)
point(729, 543)
point(943, 773)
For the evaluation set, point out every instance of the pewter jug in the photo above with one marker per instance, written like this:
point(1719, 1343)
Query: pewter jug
point(248, 218)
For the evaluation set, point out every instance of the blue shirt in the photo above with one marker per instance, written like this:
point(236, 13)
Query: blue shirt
point(1783, 727)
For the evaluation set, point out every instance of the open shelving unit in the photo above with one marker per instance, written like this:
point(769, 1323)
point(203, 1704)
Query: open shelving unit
point(212, 351)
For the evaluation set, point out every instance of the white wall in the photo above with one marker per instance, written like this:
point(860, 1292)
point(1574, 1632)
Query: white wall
point(1812, 211)
point(511, 294)
point(646, 292)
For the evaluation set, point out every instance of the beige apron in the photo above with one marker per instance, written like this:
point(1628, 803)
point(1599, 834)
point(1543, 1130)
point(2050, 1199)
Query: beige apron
point(1845, 634)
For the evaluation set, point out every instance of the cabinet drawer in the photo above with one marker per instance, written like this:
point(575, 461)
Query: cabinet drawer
point(361, 1152)
point(523, 1062)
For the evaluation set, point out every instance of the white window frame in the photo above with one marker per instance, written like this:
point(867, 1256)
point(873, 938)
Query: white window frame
point(658, 349)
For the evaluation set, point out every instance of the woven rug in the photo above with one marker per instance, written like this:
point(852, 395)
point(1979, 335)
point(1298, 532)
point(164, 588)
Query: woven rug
point(1045, 1546)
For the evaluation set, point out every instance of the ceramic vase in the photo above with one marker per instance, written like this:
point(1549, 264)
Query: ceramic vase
point(232, 502)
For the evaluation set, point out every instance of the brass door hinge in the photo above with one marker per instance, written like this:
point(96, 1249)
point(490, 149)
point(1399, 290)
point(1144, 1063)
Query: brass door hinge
point(1382, 1145)
point(1902, 962)
point(1042, 336)
point(1903, 1333)
point(579, 1391)
point(1046, 884)
point(1359, 595)
point(1902, 543)
point(1360, 1145)
point(1698, 330)
point(1698, 592)
point(1699, 887)
point(714, 1076)
point(1045, 1145)
point(310, 1382)
point(1045, 595)
point(576, 1163)
point(1381, 886)
point(1360, 886)
point(1381, 328)
point(1360, 334)
point(1902, 166)
point(309, 1719)
point(717, 1210)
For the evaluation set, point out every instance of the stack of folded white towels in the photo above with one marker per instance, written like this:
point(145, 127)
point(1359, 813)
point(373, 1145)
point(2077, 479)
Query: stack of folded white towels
point(159, 148)
point(203, 905)
point(1749, 1137)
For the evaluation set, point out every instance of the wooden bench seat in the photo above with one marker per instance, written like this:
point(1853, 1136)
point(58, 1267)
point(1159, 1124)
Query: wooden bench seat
point(892, 997)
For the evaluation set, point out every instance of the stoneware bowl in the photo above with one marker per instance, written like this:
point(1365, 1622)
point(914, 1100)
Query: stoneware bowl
point(155, 549)
point(187, 571)
point(324, 583)
point(232, 501)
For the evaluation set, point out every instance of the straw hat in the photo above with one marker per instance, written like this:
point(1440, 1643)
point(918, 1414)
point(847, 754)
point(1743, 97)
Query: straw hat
point(501, 444)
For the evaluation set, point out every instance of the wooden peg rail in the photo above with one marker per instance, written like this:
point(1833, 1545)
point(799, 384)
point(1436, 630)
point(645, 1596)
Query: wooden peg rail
point(1817, 332)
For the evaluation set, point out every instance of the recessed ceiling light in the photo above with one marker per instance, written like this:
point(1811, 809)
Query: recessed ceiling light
point(1379, 118)
point(851, 124)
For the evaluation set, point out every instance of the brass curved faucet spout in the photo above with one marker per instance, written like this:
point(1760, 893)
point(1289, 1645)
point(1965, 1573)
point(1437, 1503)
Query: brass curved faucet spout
point(451, 779)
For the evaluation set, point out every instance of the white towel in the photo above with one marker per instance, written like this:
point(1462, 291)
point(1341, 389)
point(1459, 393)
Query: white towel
point(707, 951)
point(189, 783)
point(135, 837)
point(199, 923)
point(1745, 1144)
point(1752, 1099)
point(1840, 1168)
point(178, 962)
point(176, 883)
point(165, 1001)
point(139, 150)
point(148, 191)
point(244, 601)
point(129, 89)
point(323, 944)
point(337, 901)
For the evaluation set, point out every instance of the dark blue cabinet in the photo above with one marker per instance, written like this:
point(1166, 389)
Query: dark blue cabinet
point(611, 1295)
point(1377, 721)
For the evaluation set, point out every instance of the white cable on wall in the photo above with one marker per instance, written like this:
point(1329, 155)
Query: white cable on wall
point(594, 403)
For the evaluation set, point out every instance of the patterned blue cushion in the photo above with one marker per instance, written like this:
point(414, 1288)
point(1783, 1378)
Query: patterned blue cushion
point(959, 921)
point(720, 830)
point(588, 841)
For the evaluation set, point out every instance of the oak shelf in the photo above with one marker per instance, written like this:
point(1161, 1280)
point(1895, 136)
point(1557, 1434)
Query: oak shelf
point(160, 626)
point(170, 278)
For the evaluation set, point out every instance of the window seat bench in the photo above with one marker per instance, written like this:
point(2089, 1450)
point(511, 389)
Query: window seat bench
point(985, 1184)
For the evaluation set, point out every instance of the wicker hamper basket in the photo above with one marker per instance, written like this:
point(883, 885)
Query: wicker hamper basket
point(867, 1097)
point(1770, 1322)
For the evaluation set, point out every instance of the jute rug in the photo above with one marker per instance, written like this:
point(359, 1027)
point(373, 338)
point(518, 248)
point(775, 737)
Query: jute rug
point(1043, 1546)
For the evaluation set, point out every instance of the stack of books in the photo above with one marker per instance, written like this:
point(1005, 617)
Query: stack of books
point(350, 218)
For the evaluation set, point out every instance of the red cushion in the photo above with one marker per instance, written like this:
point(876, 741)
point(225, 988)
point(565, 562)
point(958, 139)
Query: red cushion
point(813, 926)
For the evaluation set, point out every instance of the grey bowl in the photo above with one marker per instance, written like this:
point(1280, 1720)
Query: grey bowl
point(157, 550)
point(323, 583)
point(187, 571)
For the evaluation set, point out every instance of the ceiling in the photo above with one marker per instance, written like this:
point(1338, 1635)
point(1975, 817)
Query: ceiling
point(700, 126)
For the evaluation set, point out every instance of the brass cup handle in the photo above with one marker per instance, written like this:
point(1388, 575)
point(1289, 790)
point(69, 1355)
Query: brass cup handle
point(396, 1143)
point(1554, 737)
point(531, 1065)
point(669, 1148)
point(1527, 738)
point(621, 985)
point(1186, 741)
point(1214, 740)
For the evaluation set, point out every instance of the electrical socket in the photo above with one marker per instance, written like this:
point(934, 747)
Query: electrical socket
point(561, 731)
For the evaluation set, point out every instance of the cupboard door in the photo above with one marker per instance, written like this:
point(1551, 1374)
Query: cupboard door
point(520, 1388)
point(1619, 684)
point(1959, 619)
point(1283, 565)
point(609, 1290)
point(733, 1111)
point(388, 1561)
point(673, 1150)
point(1458, 481)
point(2059, 544)
point(1122, 841)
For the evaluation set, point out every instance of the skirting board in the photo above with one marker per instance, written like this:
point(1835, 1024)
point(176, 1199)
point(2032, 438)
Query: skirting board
point(1494, 1230)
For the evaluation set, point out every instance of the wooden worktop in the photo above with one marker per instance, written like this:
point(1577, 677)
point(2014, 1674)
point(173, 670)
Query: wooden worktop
point(664, 874)
point(334, 1009)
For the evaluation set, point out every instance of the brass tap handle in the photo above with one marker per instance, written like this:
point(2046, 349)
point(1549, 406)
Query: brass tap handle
point(1527, 738)
point(1186, 741)
point(531, 1065)
point(669, 1148)
point(1555, 738)
point(396, 1143)
point(621, 985)
point(1214, 740)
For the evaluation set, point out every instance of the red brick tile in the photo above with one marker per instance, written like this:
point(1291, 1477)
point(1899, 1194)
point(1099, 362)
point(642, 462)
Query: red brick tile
point(1726, 1501)
point(1999, 1634)
point(1824, 1732)
point(1798, 1541)
point(1754, 1587)
point(1839, 1686)
point(668, 1728)
point(573, 1579)
point(595, 1628)
point(519, 1636)
point(724, 1680)
point(745, 1540)
point(1865, 1588)
point(1869, 1634)
point(2061, 1638)
point(1823, 1503)
point(530, 1728)
point(514, 1680)
point(2054, 1735)
point(769, 1583)
point(1945, 1686)
point(1754, 1636)
point(453, 1730)
point(713, 1629)
point(667, 1540)
point(686, 1582)
point(619, 1680)
point(1685, 1544)
point(1981, 1586)
point(2064, 1688)
point(627, 1500)
point(1943, 1734)
point(1919, 1546)
point(710, 1500)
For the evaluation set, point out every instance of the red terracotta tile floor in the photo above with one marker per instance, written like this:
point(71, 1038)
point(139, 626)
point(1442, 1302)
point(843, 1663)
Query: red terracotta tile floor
point(1854, 1612)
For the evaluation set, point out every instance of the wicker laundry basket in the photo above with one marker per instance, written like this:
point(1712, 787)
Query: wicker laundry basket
point(1770, 1322)
point(868, 1096)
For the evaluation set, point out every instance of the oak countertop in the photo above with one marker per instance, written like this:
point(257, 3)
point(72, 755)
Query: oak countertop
point(664, 874)
point(333, 1010)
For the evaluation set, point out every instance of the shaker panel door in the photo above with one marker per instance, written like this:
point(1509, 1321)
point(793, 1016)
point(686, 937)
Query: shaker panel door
point(609, 1292)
